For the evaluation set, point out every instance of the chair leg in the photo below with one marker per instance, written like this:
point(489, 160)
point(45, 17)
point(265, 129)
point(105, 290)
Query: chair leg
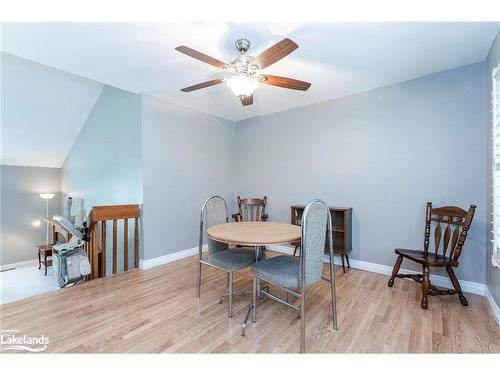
point(295, 251)
point(302, 321)
point(457, 286)
point(198, 290)
point(39, 261)
point(425, 286)
point(45, 263)
point(334, 298)
point(230, 294)
point(395, 271)
point(254, 300)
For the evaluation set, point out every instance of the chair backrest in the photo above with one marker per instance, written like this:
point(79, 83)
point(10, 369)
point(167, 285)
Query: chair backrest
point(251, 209)
point(316, 219)
point(456, 223)
point(213, 211)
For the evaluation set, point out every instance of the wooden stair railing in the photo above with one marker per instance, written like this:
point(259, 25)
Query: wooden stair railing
point(97, 246)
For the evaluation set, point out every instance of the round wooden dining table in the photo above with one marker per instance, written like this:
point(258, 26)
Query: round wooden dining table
point(256, 234)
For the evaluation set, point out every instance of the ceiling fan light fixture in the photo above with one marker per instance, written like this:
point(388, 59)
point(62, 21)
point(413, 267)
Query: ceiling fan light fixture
point(244, 70)
point(242, 86)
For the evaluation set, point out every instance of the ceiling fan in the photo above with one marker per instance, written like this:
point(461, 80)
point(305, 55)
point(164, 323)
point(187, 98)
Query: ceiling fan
point(245, 70)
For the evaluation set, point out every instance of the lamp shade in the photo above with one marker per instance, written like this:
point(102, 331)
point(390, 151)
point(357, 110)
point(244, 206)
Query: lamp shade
point(47, 195)
point(242, 85)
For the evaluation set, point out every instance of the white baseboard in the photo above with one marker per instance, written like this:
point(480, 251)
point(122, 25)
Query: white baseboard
point(145, 264)
point(441, 281)
point(493, 305)
point(32, 262)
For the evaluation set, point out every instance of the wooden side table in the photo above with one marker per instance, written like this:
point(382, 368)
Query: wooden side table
point(44, 252)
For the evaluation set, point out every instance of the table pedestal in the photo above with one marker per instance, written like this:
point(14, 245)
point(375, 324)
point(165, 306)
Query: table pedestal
point(251, 306)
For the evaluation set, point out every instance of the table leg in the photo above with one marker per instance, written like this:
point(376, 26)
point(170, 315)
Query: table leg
point(39, 260)
point(45, 262)
point(251, 306)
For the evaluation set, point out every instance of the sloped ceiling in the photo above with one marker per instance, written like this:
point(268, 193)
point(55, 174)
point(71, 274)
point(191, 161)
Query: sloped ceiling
point(337, 58)
point(43, 110)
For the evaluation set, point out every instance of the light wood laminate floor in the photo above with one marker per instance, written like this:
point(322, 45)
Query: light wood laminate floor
point(156, 311)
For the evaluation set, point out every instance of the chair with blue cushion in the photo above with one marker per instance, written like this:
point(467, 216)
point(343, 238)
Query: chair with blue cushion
point(214, 211)
point(294, 275)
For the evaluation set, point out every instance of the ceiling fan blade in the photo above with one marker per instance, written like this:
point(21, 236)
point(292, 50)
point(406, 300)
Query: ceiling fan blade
point(247, 100)
point(202, 85)
point(200, 56)
point(275, 53)
point(287, 83)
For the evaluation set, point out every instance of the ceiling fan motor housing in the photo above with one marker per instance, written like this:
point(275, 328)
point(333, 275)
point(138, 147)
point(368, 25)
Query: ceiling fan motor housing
point(242, 45)
point(242, 64)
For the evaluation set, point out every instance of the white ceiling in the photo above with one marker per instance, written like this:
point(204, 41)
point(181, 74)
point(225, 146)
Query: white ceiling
point(43, 110)
point(338, 59)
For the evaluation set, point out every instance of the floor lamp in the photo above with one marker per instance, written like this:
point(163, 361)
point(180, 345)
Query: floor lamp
point(47, 197)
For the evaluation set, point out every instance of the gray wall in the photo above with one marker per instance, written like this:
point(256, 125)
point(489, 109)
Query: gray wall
point(104, 165)
point(384, 152)
point(21, 205)
point(492, 273)
point(187, 156)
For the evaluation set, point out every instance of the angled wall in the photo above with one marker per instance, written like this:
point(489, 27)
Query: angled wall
point(43, 110)
point(104, 164)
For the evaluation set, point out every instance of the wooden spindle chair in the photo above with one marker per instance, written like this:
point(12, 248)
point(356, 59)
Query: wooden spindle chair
point(456, 223)
point(251, 209)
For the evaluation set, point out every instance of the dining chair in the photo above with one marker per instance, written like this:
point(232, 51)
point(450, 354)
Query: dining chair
point(214, 211)
point(456, 225)
point(294, 275)
point(251, 209)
